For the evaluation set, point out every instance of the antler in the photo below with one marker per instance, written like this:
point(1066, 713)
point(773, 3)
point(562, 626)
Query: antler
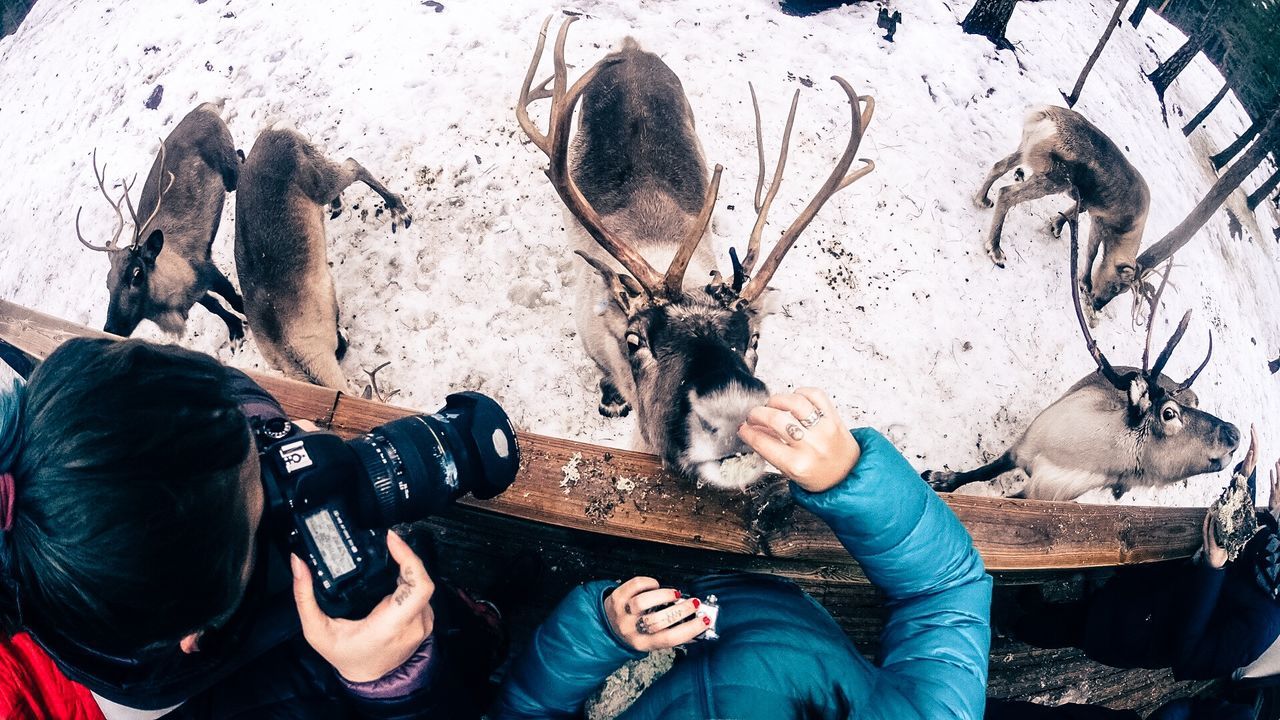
point(139, 227)
point(113, 243)
point(1186, 384)
point(839, 179)
point(1104, 367)
point(1151, 317)
point(555, 143)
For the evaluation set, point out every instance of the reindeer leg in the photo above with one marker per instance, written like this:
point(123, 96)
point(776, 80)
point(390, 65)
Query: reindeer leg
point(1037, 186)
point(333, 178)
point(235, 327)
point(612, 404)
point(947, 481)
point(395, 205)
point(997, 171)
point(220, 284)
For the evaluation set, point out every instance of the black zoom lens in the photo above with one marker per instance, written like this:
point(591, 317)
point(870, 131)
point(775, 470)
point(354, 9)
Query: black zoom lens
point(416, 466)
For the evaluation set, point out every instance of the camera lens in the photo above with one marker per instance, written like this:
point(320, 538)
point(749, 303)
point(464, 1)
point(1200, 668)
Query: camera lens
point(416, 466)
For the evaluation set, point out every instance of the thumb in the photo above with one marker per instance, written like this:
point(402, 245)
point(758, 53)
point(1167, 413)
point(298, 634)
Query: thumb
point(304, 595)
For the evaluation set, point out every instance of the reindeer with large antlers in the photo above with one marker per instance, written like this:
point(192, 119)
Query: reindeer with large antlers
point(681, 352)
point(1118, 427)
point(167, 266)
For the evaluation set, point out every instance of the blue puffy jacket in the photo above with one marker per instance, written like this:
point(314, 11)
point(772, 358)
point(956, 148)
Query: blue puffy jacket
point(780, 654)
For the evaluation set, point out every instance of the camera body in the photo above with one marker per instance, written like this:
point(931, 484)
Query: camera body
point(329, 501)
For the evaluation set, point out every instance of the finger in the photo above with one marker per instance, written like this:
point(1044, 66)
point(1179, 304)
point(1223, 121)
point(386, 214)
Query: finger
point(783, 424)
point(799, 406)
point(821, 401)
point(646, 601)
point(667, 617)
point(414, 587)
point(679, 634)
point(636, 585)
point(767, 445)
point(304, 596)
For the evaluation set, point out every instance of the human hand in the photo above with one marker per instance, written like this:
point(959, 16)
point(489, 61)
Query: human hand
point(627, 609)
point(365, 650)
point(1273, 502)
point(802, 435)
point(1213, 552)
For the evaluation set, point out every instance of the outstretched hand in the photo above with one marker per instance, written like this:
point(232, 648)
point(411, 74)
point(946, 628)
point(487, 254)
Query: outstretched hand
point(802, 435)
point(365, 650)
point(1214, 554)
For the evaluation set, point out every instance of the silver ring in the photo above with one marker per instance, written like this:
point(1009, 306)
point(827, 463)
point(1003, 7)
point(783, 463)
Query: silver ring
point(812, 419)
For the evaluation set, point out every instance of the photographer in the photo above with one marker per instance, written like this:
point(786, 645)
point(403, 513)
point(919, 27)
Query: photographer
point(779, 654)
point(1206, 618)
point(135, 552)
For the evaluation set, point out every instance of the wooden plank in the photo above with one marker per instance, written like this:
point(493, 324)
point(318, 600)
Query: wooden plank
point(627, 494)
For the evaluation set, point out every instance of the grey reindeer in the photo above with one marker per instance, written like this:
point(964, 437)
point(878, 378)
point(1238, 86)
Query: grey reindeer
point(1118, 427)
point(681, 352)
point(282, 256)
point(1062, 149)
point(168, 266)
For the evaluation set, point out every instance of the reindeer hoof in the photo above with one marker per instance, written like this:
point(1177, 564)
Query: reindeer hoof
point(997, 256)
point(940, 480)
point(982, 202)
point(1055, 226)
point(615, 410)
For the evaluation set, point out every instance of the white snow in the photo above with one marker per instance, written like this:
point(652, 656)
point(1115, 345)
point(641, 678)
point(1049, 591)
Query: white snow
point(888, 300)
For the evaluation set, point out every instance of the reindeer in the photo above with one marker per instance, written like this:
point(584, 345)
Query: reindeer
point(1063, 150)
point(182, 201)
point(281, 256)
point(1118, 427)
point(681, 353)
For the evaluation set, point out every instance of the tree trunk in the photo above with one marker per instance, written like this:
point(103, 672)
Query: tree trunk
point(1257, 196)
point(1230, 180)
point(1097, 51)
point(1139, 12)
point(1200, 116)
point(1163, 76)
point(1221, 159)
point(989, 18)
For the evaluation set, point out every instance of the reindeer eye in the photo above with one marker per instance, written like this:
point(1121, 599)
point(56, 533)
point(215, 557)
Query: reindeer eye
point(1169, 414)
point(135, 278)
point(755, 341)
point(633, 341)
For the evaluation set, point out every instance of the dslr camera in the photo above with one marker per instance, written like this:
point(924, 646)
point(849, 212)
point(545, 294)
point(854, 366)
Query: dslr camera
point(329, 500)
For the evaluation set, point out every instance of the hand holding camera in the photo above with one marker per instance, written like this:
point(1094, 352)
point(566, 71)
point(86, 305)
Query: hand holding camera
point(365, 650)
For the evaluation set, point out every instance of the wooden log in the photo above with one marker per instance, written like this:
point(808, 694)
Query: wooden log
point(627, 494)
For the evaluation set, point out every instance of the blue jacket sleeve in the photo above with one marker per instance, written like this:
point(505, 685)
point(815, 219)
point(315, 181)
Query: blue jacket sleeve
point(568, 658)
point(909, 543)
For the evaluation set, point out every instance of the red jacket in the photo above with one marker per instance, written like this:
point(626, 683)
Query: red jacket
point(32, 687)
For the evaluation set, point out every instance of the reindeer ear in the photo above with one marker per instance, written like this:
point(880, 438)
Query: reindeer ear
point(1126, 272)
point(152, 247)
point(625, 292)
point(1139, 397)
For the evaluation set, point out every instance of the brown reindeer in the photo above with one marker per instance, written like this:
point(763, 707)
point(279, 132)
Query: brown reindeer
point(682, 352)
point(282, 257)
point(1061, 150)
point(167, 267)
point(1117, 428)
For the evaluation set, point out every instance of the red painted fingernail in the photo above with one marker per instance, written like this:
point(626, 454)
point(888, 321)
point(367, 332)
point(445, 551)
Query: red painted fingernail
point(677, 594)
point(706, 621)
point(696, 603)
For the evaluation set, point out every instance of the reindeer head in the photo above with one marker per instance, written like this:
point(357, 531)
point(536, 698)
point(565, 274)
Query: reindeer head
point(691, 347)
point(128, 281)
point(1174, 439)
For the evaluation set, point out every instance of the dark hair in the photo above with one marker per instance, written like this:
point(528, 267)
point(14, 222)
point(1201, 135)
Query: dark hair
point(130, 528)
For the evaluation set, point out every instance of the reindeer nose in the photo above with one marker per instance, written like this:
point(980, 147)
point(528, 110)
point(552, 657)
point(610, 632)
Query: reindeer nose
point(1229, 435)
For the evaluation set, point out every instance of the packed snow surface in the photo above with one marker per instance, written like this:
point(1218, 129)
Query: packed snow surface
point(887, 301)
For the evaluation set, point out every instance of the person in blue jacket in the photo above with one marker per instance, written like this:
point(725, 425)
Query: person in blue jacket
point(779, 654)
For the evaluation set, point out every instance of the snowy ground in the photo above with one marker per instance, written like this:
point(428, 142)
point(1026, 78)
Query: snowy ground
point(888, 300)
